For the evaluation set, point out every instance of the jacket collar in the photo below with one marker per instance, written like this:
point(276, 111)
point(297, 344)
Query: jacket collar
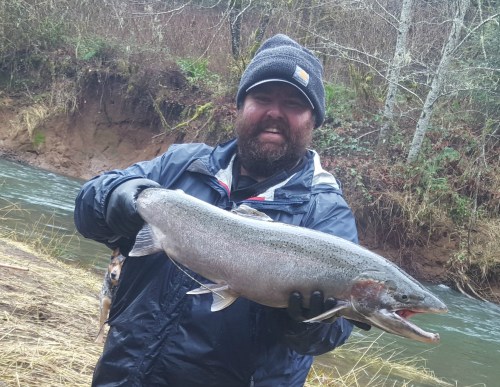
point(298, 187)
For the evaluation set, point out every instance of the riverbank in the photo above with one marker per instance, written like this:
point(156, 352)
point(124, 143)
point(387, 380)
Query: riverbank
point(49, 314)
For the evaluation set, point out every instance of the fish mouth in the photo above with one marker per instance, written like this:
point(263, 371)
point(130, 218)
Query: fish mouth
point(406, 313)
point(398, 323)
point(395, 321)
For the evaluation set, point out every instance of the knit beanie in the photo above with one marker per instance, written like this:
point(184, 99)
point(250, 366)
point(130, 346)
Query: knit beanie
point(281, 59)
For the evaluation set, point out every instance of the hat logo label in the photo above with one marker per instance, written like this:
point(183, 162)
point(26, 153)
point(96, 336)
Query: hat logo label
point(301, 76)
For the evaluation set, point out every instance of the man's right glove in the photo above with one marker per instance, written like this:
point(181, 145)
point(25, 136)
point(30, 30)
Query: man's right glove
point(317, 306)
point(121, 211)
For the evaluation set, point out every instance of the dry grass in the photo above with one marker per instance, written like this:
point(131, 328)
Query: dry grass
point(49, 320)
point(366, 362)
point(61, 98)
point(475, 267)
point(31, 118)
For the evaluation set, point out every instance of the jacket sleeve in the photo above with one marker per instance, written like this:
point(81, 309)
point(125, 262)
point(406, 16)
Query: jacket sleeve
point(91, 202)
point(328, 213)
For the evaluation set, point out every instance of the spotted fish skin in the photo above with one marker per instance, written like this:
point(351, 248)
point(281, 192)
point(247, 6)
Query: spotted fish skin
point(245, 254)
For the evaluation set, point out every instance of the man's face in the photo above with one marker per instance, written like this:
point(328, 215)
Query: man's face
point(274, 128)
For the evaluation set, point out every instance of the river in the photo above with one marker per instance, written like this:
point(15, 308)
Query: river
point(38, 204)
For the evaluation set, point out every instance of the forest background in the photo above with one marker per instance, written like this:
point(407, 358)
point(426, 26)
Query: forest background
point(412, 88)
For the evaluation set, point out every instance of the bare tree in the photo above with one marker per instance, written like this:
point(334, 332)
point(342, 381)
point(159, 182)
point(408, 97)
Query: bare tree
point(235, 15)
point(2, 27)
point(437, 82)
point(394, 70)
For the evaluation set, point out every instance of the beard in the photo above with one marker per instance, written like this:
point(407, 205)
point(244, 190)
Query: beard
point(263, 160)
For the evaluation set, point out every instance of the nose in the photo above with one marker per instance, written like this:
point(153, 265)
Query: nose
point(274, 110)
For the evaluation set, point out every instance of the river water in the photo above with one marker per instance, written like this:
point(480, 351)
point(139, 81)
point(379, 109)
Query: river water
point(38, 204)
point(35, 203)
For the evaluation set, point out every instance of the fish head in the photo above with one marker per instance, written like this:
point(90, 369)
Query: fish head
point(389, 303)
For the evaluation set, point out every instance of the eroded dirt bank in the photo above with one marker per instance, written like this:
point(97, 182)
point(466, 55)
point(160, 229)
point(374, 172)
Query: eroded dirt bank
point(103, 134)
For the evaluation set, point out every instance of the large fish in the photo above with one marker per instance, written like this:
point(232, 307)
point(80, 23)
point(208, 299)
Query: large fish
point(247, 254)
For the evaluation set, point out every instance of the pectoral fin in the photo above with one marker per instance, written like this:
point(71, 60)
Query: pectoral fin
point(329, 313)
point(145, 243)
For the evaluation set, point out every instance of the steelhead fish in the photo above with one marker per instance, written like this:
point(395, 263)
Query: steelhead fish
point(247, 254)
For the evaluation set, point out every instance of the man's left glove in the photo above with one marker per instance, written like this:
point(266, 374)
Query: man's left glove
point(121, 211)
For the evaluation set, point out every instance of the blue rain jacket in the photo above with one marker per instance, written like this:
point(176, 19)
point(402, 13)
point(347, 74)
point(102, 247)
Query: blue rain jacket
point(159, 336)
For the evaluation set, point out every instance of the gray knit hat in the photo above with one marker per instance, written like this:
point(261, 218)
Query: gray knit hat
point(281, 59)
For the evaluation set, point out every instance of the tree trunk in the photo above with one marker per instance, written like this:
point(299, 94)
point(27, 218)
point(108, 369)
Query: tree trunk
point(265, 18)
point(2, 27)
point(437, 81)
point(235, 27)
point(395, 69)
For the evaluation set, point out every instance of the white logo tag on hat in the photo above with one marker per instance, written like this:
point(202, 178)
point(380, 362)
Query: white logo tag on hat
point(301, 75)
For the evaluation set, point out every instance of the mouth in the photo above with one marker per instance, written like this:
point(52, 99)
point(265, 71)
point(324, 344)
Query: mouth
point(272, 130)
point(397, 322)
point(271, 136)
point(406, 313)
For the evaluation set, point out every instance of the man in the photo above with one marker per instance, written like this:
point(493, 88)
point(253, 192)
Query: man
point(159, 336)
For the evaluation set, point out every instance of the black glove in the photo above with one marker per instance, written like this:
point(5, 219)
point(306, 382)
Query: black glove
point(317, 305)
point(121, 211)
point(361, 325)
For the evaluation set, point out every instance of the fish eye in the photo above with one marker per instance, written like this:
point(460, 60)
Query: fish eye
point(403, 297)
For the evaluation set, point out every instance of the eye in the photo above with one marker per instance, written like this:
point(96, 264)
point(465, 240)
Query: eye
point(403, 297)
point(296, 103)
point(260, 98)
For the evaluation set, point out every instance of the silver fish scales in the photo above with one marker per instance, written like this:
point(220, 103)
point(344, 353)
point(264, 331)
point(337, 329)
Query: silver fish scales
point(244, 253)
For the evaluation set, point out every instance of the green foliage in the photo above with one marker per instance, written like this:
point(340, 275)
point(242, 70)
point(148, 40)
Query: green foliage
point(327, 140)
point(38, 139)
point(339, 101)
point(197, 72)
point(436, 188)
point(431, 168)
point(51, 33)
point(90, 47)
point(460, 210)
point(359, 184)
